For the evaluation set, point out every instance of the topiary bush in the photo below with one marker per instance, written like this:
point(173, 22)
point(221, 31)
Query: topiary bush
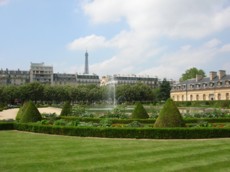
point(21, 111)
point(169, 116)
point(139, 112)
point(30, 114)
point(67, 109)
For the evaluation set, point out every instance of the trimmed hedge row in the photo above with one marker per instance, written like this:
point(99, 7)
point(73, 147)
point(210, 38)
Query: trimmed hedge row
point(139, 133)
point(143, 121)
point(6, 125)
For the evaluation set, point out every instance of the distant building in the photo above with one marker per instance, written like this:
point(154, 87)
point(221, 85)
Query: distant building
point(14, 77)
point(131, 79)
point(87, 79)
point(214, 87)
point(64, 79)
point(41, 73)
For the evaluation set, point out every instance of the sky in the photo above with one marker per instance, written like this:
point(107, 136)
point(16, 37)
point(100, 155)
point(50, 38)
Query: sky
point(157, 38)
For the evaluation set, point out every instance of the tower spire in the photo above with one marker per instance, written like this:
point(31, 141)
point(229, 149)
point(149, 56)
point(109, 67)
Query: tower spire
point(86, 63)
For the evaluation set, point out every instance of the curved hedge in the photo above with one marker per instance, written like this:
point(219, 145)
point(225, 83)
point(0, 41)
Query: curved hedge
point(143, 121)
point(139, 133)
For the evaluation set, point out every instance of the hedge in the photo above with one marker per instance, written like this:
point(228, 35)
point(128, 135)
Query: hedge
point(139, 133)
point(143, 121)
point(6, 125)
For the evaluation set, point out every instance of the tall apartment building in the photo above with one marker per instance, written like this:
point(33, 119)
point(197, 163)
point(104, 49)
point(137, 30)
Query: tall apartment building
point(41, 73)
point(214, 87)
point(14, 77)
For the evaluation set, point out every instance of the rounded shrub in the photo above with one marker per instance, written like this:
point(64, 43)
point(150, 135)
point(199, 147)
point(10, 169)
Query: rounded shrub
point(169, 116)
point(30, 114)
point(67, 109)
point(139, 112)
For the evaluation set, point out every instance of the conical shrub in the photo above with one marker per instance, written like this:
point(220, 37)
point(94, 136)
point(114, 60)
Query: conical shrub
point(30, 114)
point(67, 109)
point(139, 112)
point(21, 110)
point(169, 116)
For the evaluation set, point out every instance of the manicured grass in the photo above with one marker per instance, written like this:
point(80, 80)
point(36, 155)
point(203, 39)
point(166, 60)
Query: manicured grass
point(21, 151)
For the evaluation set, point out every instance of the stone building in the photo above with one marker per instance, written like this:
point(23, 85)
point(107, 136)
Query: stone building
point(214, 87)
point(14, 77)
point(39, 72)
point(87, 79)
point(131, 79)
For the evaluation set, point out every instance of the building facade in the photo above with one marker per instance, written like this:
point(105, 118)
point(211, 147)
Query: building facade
point(214, 87)
point(130, 79)
point(14, 77)
point(39, 72)
point(87, 79)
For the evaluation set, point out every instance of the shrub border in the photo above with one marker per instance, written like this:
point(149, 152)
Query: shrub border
point(138, 133)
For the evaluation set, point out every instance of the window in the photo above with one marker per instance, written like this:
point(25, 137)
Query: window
point(204, 97)
point(219, 96)
point(197, 97)
point(227, 96)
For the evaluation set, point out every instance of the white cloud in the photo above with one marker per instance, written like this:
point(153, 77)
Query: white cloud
point(89, 42)
point(3, 2)
point(139, 49)
point(225, 48)
point(175, 18)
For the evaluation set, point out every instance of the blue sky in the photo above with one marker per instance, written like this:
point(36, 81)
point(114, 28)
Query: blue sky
point(160, 38)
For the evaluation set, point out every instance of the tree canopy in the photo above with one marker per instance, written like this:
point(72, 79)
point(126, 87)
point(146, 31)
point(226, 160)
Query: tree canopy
point(191, 73)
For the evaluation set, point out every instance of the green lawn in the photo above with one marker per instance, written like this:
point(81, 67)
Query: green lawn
point(30, 152)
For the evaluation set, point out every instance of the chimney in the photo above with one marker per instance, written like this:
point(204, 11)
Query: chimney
point(221, 74)
point(212, 75)
point(198, 77)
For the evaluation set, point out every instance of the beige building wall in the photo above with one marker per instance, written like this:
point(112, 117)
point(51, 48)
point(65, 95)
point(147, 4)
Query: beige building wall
point(201, 95)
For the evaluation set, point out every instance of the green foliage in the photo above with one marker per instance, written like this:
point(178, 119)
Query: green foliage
point(139, 112)
point(30, 114)
point(60, 122)
point(135, 124)
point(164, 90)
point(169, 116)
point(6, 126)
point(191, 73)
point(105, 122)
point(145, 133)
point(21, 111)
point(67, 109)
point(78, 110)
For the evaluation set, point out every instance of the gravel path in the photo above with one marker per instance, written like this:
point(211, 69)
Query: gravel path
point(11, 113)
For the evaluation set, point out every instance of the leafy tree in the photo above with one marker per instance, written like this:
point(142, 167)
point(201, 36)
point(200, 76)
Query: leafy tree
point(191, 73)
point(67, 109)
point(164, 90)
point(169, 116)
point(30, 114)
point(139, 112)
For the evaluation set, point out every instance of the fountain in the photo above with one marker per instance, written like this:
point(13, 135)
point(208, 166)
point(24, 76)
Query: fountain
point(112, 92)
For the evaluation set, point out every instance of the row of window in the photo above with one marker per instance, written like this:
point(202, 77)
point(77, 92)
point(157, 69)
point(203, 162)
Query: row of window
point(204, 97)
point(199, 86)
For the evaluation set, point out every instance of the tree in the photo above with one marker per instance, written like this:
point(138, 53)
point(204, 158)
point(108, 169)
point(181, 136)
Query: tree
point(164, 90)
point(30, 114)
point(191, 73)
point(139, 112)
point(67, 109)
point(169, 116)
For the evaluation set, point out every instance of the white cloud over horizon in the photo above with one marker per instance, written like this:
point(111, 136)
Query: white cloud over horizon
point(139, 49)
point(3, 2)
